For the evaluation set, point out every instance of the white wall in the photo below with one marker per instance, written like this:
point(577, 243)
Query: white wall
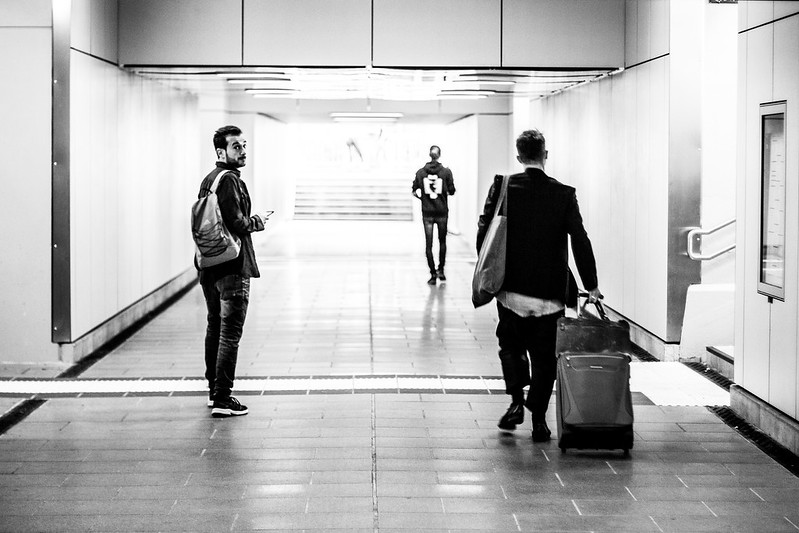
point(134, 174)
point(462, 158)
point(719, 129)
point(94, 28)
point(609, 139)
point(766, 359)
point(273, 182)
point(25, 104)
point(314, 36)
point(544, 33)
point(414, 33)
point(479, 145)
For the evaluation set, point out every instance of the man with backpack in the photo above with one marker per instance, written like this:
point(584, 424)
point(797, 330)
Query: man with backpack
point(432, 185)
point(226, 286)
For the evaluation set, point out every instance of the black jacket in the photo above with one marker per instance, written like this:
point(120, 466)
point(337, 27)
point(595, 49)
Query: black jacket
point(542, 213)
point(235, 206)
point(434, 192)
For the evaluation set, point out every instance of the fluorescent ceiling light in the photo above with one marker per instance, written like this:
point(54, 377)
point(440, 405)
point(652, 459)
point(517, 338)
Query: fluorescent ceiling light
point(276, 90)
point(481, 81)
point(459, 97)
point(256, 74)
point(258, 80)
point(365, 120)
point(366, 115)
point(293, 96)
point(449, 92)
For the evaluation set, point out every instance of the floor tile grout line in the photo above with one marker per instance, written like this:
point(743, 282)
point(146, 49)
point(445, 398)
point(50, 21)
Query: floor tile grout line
point(789, 521)
point(652, 518)
point(577, 508)
point(375, 510)
point(709, 509)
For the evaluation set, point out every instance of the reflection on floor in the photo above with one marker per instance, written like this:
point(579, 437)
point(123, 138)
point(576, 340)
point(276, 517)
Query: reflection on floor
point(373, 406)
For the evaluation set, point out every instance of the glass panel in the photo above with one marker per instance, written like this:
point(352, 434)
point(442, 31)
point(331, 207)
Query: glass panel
point(772, 224)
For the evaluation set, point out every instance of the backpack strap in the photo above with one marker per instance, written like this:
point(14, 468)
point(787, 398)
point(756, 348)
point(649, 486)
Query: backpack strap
point(218, 179)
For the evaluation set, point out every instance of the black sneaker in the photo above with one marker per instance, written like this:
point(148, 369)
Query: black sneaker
point(228, 407)
point(210, 399)
point(432, 280)
point(441, 275)
point(512, 417)
point(541, 432)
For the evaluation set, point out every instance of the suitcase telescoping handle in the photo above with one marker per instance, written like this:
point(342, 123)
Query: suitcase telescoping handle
point(600, 309)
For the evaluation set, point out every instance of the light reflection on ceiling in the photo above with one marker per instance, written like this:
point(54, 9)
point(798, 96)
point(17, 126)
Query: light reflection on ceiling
point(369, 83)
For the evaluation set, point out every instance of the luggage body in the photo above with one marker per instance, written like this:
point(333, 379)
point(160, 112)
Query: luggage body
point(593, 400)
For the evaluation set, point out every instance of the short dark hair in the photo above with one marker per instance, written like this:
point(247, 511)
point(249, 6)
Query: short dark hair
point(531, 145)
point(221, 135)
point(437, 148)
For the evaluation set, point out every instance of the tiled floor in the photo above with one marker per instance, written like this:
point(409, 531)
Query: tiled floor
point(373, 406)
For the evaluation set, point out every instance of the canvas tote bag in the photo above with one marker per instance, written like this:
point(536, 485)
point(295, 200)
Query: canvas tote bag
point(214, 242)
point(489, 272)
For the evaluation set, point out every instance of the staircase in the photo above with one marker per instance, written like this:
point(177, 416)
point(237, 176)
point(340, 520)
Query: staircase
point(354, 195)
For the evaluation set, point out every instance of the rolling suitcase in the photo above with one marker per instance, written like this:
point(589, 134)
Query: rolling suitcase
point(593, 401)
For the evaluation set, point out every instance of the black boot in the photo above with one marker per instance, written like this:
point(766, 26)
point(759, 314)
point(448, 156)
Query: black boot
point(512, 417)
point(541, 432)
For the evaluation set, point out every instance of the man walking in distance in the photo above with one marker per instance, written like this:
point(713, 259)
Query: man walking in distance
point(542, 213)
point(226, 286)
point(433, 184)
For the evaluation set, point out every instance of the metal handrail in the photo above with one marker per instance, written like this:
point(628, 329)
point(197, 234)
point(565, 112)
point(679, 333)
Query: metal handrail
point(695, 235)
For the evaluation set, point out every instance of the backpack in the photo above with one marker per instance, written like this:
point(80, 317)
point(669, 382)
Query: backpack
point(214, 243)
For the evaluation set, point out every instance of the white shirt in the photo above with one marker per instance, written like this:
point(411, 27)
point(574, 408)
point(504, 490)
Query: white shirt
point(526, 306)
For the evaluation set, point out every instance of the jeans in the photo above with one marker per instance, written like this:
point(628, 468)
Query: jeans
point(441, 222)
point(226, 301)
point(518, 337)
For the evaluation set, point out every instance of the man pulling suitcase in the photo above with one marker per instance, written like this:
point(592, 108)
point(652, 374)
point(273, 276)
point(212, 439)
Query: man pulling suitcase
point(542, 214)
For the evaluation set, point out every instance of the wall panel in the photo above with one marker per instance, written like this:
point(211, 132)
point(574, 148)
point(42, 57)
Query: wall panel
point(30, 13)
point(104, 34)
point(755, 13)
point(785, 315)
point(644, 31)
point(631, 32)
point(468, 202)
point(621, 178)
point(436, 33)
point(307, 32)
point(719, 127)
point(659, 27)
point(742, 262)
point(757, 321)
point(134, 173)
point(81, 24)
point(26, 64)
point(785, 7)
point(542, 33)
point(180, 32)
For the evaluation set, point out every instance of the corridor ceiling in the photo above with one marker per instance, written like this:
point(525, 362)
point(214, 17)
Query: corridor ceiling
point(279, 91)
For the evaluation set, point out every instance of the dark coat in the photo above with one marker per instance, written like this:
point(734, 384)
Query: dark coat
point(235, 206)
point(542, 213)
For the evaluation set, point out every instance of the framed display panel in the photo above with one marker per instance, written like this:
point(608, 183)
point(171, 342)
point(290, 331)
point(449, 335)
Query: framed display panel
point(771, 271)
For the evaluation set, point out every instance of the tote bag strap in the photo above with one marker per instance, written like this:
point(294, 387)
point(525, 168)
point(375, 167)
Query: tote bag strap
point(503, 192)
